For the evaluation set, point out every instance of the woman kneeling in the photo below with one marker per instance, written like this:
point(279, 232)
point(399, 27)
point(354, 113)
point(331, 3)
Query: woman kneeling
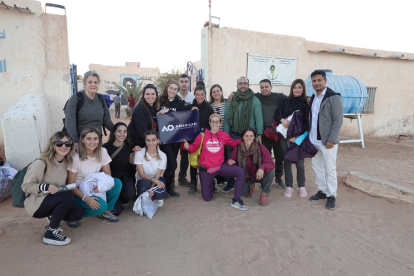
point(257, 162)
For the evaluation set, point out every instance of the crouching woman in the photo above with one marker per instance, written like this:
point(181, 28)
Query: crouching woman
point(47, 174)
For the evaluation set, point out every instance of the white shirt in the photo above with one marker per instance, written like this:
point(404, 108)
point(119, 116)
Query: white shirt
point(150, 167)
point(188, 99)
point(316, 107)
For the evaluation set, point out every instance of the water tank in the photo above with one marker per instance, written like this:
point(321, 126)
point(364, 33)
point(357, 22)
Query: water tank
point(352, 89)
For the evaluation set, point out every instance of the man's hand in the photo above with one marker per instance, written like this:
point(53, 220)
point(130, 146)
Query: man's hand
point(308, 100)
point(259, 139)
point(329, 145)
point(230, 98)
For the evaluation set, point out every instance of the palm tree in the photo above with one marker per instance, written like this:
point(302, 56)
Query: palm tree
point(135, 90)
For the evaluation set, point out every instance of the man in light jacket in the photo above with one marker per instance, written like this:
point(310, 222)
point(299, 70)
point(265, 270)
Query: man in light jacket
point(326, 118)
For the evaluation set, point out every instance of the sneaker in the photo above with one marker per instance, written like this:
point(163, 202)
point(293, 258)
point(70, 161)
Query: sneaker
point(216, 189)
point(263, 200)
point(288, 192)
point(48, 221)
point(222, 184)
point(251, 190)
point(302, 192)
point(183, 182)
point(280, 183)
point(173, 193)
point(125, 206)
point(193, 188)
point(160, 202)
point(109, 216)
point(73, 224)
point(53, 236)
point(238, 204)
point(318, 196)
point(330, 203)
point(227, 188)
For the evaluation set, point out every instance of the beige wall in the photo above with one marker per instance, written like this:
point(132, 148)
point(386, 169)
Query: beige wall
point(393, 113)
point(35, 48)
point(110, 74)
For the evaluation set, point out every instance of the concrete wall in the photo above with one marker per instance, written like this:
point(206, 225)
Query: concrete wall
point(393, 78)
point(110, 74)
point(35, 48)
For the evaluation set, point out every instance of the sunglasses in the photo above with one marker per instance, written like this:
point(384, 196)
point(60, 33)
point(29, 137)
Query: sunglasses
point(68, 144)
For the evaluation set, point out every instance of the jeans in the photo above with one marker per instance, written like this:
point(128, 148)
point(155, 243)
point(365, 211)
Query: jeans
point(61, 206)
point(131, 110)
point(230, 180)
point(277, 152)
point(206, 180)
point(171, 150)
point(266, 181)
point(111, 197)
point(144, 185)
point(300, 167)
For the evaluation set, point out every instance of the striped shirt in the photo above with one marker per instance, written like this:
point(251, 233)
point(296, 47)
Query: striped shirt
point(220, 110)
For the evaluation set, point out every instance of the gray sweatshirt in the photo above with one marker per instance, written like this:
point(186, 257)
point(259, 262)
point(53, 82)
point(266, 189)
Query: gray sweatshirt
point(91, 114)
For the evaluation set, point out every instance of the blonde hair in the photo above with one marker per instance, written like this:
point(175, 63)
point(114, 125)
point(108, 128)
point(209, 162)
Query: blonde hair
point(82, 149)
point(48, 154)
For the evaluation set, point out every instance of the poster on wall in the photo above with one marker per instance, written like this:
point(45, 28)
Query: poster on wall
point(127, 80)
point(279, 70)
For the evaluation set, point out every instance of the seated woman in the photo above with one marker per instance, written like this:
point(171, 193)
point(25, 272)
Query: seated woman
point(256, 161)
point(55, 206)
point(212, 161)
point(121, 151)
point(92, 158)
point(151, 163)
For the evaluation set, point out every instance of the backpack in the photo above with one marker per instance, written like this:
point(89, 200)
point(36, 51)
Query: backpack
point(80, 102)
point(18, 196)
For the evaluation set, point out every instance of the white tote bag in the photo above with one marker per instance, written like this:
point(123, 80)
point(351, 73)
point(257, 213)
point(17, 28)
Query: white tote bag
point(145, 205)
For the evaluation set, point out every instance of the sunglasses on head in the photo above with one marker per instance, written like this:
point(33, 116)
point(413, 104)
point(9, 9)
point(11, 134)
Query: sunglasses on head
point(68, 144)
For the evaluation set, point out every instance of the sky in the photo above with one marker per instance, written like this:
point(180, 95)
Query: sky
point(167, 33)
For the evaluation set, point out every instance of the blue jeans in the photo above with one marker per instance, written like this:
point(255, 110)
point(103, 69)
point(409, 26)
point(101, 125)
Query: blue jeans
point(111, 197)
point(144, 185)
point(231, 180)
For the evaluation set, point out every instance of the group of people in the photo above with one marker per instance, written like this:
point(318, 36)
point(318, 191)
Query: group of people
point(234, 151)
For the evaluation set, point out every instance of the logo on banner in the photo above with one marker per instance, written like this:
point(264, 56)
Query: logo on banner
point(168, 128)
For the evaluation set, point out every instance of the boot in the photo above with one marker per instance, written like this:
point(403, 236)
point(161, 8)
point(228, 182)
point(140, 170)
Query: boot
point(193, 187)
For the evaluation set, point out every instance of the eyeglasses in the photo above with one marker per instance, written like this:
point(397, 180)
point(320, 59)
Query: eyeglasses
point(215, 122)
point(243, 83)
point(68, 144)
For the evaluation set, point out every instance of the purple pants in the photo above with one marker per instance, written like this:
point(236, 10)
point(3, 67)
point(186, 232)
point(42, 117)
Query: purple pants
point(206, 180)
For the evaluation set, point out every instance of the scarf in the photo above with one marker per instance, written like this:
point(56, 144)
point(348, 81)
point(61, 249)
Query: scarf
point(243, 153)
point(233, 115)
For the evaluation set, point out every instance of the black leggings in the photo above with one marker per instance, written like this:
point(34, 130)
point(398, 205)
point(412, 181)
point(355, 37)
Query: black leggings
point(171, 150)
point(61, 206)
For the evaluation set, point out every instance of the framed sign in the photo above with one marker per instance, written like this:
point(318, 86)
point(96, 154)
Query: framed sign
point(279, 70)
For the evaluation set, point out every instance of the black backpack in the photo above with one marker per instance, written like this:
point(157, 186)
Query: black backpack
point(80, 102)
point(18, 196)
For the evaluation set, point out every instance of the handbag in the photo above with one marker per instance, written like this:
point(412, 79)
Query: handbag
point(271, 133)
point(154, 125)
point(193, 158)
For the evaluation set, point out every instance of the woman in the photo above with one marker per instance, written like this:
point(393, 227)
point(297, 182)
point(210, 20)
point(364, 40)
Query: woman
point(204, 111)
point(121, 151)
point(92, 158)
point(217, 101)
point(171, 102)
point(151, 163)
point(295, 101)
point(145, 115)
point(212, 161)
point(54, 206)
point(256, 161)
point(93, 113)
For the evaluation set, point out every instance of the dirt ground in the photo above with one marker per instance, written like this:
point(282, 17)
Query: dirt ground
point(364, 235)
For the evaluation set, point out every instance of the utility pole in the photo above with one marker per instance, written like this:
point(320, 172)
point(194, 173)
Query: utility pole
point(209, 45)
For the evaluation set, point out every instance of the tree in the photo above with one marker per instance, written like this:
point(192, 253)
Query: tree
point(135, 90)
point(163, 79)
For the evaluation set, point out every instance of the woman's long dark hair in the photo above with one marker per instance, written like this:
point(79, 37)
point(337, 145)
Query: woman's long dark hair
point(111, 139)
point(301, 82)
point(211, 100)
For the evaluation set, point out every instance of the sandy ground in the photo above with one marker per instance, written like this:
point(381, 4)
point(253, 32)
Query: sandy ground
point(187, 236)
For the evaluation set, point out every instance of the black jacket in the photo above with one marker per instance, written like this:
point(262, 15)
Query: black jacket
point(283, 106)
point(141, 121)
point(175, 105)
point(204, 114)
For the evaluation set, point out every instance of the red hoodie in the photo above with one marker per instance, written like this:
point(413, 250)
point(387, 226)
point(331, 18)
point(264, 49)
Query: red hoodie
point(212, 152)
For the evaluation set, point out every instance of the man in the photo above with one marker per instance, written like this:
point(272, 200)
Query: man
point(326, 119)
point(270, 102)
point(131, 104)
point(272, 74)
point(243, 111)
point(188, 98)
point(117, 102)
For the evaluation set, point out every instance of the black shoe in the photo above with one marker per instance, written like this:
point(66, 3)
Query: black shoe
point(73, 224)
point(193, 188)
point(320, 195)
point(183, 182)
point(173, 193)
point(280, 184)
point(53, 236)
point(330, 203)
